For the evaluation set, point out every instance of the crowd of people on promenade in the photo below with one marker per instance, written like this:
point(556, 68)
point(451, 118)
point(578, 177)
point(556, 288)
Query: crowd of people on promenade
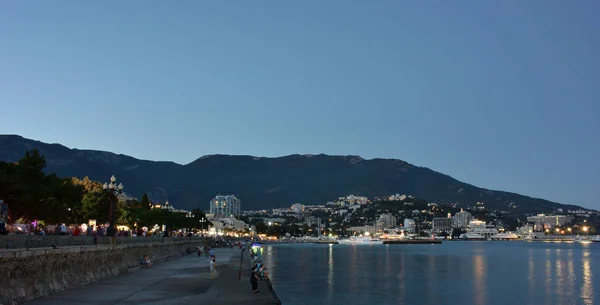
point(71, 230)
point(90, 230)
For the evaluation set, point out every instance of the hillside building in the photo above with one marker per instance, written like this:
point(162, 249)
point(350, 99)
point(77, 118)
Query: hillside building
point(550, 221)
point(409, 225)
point(461, 219)
point(386, 221)
point(225, 206)
point(441, 224)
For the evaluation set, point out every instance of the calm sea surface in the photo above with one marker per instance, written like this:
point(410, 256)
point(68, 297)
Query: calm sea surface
point(458, 272)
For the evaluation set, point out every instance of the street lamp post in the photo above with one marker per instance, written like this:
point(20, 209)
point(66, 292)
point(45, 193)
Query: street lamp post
point(114, 191)
point(202, 221)
point(189, 215)
point(166, 208)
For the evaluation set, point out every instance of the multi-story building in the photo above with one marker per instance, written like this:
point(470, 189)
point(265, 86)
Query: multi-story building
point(280, 212)
point(386, 221)
point(461, 219)
point(409, 225)
point(397, 197)
point(272, 220)
point(311, 220)
point(351, 200)
point(441, 224)
point(297, 208)
point(220, 225)
point(525, 230)
point(550, 221)
point(363, 230)
point(225, 206)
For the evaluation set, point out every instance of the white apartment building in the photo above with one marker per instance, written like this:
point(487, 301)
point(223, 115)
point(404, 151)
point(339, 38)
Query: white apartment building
point(397, 197)
point(352, 200)
point(228, 223)
point(386, 221)
point(549, 221)
point(461, 219)
point(225, 206)
point(409, 225)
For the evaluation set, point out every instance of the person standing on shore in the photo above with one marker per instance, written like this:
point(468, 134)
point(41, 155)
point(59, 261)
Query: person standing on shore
point(213, 268)
point(254, 279)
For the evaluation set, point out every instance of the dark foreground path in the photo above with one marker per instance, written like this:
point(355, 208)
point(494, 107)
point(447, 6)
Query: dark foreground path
point(181, 281)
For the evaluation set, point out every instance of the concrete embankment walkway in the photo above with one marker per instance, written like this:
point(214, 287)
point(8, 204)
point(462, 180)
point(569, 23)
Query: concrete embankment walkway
point(181, 281)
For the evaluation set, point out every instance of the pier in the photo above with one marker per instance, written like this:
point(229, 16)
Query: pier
point(326, 242)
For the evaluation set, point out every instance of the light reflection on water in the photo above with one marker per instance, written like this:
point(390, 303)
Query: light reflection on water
point(548, 269)
point(560, 278)
point(330, 281)
point(531, 277)
point(401, 276)
point(587, 291)
point(570, 274)
point(479, 283)
point(451, 273)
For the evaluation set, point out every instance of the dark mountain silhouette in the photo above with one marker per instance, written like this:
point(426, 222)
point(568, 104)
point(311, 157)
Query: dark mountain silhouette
point(264, 183)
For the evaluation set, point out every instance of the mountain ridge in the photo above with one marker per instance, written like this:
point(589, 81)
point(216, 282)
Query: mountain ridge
point(268, 182)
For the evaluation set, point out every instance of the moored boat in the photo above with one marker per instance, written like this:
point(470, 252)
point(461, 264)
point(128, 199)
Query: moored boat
point(472, 236)
point(505, 236)
point(361, 241)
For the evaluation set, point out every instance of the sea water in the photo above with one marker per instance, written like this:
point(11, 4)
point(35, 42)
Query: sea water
point(455, 272)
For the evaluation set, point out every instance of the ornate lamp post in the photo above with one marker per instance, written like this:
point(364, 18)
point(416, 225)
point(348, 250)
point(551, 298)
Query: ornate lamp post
point(114, 191)
point(202, 221)
point(167, 208)
point(189, 215)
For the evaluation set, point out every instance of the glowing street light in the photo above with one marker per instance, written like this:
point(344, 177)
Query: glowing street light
point(189, 215)
point(166, 208)
point(114, 191)
point(202, 221)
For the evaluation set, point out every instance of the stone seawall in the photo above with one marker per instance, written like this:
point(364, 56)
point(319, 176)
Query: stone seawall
point(22, 241)
point(26, 274)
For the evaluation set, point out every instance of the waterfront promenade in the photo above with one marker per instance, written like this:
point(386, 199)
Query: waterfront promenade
point(180, 281)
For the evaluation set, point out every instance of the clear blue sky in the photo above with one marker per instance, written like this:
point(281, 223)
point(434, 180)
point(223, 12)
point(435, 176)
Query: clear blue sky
point(501, 94)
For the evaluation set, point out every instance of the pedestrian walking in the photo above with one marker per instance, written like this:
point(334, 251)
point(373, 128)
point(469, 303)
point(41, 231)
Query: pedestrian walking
point(254, 279)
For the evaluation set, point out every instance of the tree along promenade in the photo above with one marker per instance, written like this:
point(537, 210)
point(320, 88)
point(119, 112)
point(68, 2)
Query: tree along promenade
point(181, 281)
